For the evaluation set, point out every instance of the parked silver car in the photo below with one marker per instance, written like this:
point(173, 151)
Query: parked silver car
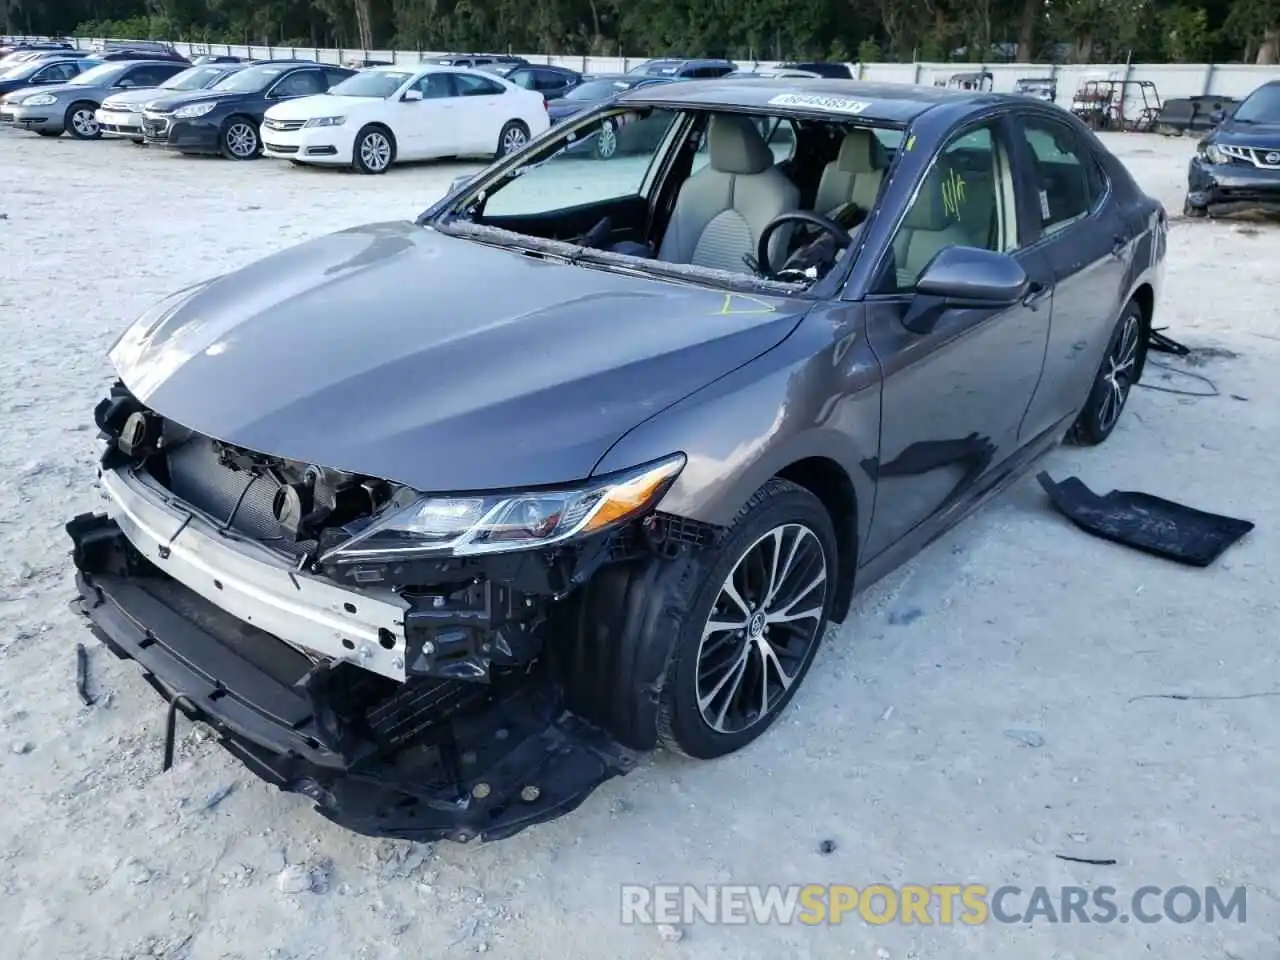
point(121, 113)
point(71, 107)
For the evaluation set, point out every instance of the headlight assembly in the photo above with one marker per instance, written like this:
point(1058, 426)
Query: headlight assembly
point(193, 111)
point(468, 525)
point(325, 122)
point(1213, 153)
point(39, 100)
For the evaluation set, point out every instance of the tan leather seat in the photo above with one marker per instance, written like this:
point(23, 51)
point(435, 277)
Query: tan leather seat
point(932, 224)
point(854, 175)
point(724, 207)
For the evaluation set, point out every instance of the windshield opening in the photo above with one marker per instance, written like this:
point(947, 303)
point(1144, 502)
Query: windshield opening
point(249, 79)
point(559, 198)
point(374, 84)
point(1261, 106)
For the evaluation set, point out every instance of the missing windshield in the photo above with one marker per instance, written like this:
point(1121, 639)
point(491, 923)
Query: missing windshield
point(731, 198)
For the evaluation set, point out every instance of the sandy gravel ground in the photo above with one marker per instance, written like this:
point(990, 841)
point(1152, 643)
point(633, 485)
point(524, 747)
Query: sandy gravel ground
point(896, 749)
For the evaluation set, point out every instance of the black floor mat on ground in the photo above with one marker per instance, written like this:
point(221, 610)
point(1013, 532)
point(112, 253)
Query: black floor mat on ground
point(1147, 523)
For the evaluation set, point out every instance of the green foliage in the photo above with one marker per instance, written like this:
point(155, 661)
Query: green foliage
point(935, 30)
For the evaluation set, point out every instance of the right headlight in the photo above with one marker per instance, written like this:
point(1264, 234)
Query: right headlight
point(193, 111)
point(467, 525)
point(1213, 153)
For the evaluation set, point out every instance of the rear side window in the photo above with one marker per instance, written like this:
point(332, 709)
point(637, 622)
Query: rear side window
point(334, 77)
point(469, 85)
point(1063, 171)
point(304, 83)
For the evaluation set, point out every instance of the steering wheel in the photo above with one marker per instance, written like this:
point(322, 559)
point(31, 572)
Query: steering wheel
point(826, 224)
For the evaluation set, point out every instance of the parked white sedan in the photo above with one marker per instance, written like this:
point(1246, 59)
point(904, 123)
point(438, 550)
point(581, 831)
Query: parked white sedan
point(385, 114)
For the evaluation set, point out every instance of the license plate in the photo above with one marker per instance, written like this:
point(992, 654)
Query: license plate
point(115, 119)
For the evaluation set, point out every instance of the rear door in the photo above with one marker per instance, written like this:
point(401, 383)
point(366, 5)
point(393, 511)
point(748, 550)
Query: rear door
point(1088, 247)
point(480, 112)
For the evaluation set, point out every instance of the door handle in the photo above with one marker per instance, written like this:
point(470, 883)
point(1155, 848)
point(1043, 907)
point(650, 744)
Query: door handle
point(1036, 292)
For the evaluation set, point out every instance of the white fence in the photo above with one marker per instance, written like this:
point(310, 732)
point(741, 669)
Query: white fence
point(1171, 80)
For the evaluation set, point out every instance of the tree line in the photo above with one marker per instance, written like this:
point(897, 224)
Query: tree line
point(1109, 31)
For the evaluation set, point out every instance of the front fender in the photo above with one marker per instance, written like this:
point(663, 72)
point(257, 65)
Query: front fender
point(815, 395)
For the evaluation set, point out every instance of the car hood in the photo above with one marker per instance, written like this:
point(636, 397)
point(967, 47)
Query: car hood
point(137, 96)
point(319, 105)
point(74, 89)
point(396, 351)
point(167, 104)
point(1262, 135)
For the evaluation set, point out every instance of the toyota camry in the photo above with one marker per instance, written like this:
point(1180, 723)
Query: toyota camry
point(443, 523)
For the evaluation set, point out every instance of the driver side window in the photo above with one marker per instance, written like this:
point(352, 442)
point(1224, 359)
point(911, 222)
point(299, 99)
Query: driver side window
point(434, 86)
point(966, 198)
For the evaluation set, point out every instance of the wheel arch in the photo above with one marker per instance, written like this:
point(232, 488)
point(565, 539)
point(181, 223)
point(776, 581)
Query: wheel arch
point(830, 483)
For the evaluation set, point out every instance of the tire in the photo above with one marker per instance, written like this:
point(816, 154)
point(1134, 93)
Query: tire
point(513, 137)
point(1194, 213)
point(1114, 381)
point(605, 145)
point(80, 122)
point(780, 513)
point(49, 133)
point(240, 139)
point(374, 149)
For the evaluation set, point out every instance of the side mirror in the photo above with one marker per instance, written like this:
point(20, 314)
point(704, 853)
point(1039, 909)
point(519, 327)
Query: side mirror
point(965, 277)
point(411, 95)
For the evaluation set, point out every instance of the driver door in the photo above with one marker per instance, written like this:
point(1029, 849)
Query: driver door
point(953, 397)
point(428, 127)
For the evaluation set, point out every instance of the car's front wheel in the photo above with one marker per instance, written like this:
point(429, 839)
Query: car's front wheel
point(606, 143)
point(753, 628)
point(374, 150)
point(80, 121)
point(240, 140)
point(1115, 378)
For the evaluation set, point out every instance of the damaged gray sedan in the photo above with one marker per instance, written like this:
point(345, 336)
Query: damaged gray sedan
point(442, 524)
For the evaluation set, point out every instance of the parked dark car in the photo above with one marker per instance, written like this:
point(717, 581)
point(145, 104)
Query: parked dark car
point(1237, 164)
point(583, 465)
point(71, 107)
point(677, 69)
point(42, 73)
point(129, 54)
point(823, 68)
point(551, 82)
point(227, 119)
point(23, 46)
point(57, 55)
point(615, 137)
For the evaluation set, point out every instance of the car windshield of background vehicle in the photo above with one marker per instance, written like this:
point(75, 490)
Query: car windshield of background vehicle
point(598, 89)
point(194, 79)
point(374, 84)
point(100, 75)
point(249, 79)
point(1261, 106)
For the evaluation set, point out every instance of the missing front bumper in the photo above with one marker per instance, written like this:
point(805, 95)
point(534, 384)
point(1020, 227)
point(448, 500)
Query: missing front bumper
point(426, 760)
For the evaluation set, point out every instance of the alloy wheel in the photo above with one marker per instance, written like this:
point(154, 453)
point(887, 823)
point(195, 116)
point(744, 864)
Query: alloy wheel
point(242, 140)
point(375, 151)
point(513, 140)
point(762, 628)
point(84, 123)
point(606, 141)
point(1118, 375)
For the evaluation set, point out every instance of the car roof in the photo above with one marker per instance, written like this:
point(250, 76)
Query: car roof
point(837, 99)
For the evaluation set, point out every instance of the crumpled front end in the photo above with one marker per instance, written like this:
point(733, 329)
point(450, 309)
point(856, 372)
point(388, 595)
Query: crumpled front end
point(408, 697)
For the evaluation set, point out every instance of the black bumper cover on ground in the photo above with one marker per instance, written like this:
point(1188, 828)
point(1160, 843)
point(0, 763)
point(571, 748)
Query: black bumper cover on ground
point(504, 762)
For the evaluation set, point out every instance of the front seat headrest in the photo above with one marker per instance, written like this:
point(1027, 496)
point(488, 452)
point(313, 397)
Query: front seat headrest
point(938, 201)
point(734, 145)
point(858, 152)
